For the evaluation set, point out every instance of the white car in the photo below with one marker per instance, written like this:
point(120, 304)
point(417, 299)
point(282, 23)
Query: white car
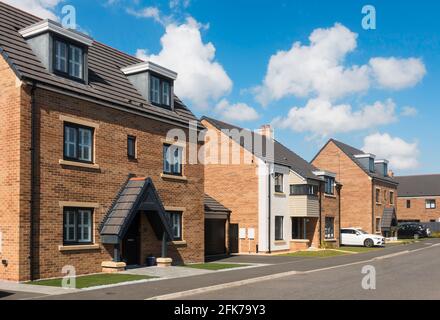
point(358, 237)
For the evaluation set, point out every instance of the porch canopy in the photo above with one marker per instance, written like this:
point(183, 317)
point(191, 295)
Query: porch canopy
point(138, 194)
point(389, 219)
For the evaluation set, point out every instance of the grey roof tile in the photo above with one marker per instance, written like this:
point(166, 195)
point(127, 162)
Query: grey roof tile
point(418, 185)
point(212, 205)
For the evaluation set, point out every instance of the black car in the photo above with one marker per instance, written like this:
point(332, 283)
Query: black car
point(413, 231)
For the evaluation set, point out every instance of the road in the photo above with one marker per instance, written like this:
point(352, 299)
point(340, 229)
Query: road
point(414, 275)
point(403, 272)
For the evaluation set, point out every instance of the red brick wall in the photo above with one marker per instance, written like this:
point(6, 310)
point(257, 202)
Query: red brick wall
point(14, 182)
point(418, 209)
point(236, 187)
point(356, 194)
point(384, 202)
point(330, 208)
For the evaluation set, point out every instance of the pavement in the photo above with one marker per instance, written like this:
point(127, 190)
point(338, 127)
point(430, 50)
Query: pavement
point(302, 274)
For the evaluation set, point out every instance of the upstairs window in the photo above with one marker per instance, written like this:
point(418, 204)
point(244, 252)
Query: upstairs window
point(385, 170)
point(330, 185)
point(430, 204)
point(160, 91)
point(68, 60)
point(371, 164)
point(172, 156)
point(279, 182)
point(391, 197)
point(78, 143)
point(408, 204)
point(377, 195)
point(131, 147)
point(303, 190)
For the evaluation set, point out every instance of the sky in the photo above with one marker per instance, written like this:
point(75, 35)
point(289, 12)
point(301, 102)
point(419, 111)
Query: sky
point(311, 69)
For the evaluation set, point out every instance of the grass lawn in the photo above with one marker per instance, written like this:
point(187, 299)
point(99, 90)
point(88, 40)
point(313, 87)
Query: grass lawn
point(359, 249)
point(214, 266)
point(315, 254)
point(92, 280)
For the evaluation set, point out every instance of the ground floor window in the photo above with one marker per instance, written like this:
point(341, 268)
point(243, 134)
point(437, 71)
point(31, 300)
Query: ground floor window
point(299, 228)
point(378, 227)
point(77, 225)
point(176, 225)
point(279, 228)
point(329, 227)
point(430, 204)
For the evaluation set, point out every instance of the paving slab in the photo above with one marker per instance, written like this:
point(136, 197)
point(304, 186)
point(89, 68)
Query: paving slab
point(10, 286)
point(167, 273)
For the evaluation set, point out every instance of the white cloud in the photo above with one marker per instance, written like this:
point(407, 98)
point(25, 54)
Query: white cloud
point(401, 154)
point(176, 3)
point(236, 112)
point(409, 111)
point(397, 74)
point(41, 8)
point(322, 118)
point(315, 69)
point(148, 12)
point(201, 78)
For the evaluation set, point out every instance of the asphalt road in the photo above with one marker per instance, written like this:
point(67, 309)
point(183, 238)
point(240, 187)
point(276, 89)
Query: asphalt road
point(414, 275)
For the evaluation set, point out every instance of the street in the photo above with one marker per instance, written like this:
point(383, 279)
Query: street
point(402, 272)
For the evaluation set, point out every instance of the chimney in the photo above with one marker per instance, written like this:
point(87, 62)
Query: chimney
point(391, 173)
point(266, 131)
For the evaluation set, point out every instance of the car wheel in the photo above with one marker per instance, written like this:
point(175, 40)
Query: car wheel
point(416, 236)
point(368, 243)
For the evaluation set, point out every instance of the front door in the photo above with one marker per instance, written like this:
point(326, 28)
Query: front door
point(131, 244)
point(215, 238)
point(233, 238)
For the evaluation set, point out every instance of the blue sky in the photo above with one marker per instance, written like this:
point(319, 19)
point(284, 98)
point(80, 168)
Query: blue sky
point(402, 126)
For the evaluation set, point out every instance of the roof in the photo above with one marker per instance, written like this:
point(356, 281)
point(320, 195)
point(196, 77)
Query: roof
point(137, 194)
point(212, 205)
point(418, 186)
point(282, 155)
point(107, 83)
point(351, 152)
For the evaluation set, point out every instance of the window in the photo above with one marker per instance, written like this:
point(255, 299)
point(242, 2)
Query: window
point(384, 196)
point(391, 197)
point(176, 225)
point(78, 145)
point(329, 227)
point(279, 181)
point(329, 185)
point(378, 227)
point(385, 169)
point(299, 228)
point(160, 91)
point(371, 164)
point(377, 195)
point(131, 147)
point(172, 160)
point(430, 204)
point(69, 60)
point(77, 225)
point(279, 228)
point(408, 204)
point(303, 190)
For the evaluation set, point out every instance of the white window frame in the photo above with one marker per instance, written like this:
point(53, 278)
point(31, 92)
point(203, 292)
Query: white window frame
point(281, 228)
point(279, 182)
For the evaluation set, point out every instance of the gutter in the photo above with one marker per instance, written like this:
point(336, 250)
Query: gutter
point(269, 212)
point(320, 214)
point(33, 172)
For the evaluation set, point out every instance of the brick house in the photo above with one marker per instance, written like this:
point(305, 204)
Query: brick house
point(277, 200)
point(418, 198)
point(86, 174)
point(369, 195)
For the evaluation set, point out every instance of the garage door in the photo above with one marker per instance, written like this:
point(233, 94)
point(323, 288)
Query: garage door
point(215, 236)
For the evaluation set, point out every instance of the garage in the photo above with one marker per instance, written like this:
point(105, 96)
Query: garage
point(216, 227)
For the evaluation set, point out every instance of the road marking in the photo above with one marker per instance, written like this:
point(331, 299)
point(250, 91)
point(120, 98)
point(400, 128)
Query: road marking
point(239, 283)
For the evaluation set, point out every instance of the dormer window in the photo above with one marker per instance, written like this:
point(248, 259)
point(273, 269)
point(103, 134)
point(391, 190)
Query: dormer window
point(371, 164)
point(62, 51)
point(155, 83)
point(68, 59)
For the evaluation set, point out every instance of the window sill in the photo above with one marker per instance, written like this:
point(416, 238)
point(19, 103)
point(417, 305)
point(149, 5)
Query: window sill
point(78, 164)
point(327, 195)
point(378, 204)
point(178, 243)
point(172, 177)
point(300, 240)
point(79, 248)
point(280, 242)
point(330, 240)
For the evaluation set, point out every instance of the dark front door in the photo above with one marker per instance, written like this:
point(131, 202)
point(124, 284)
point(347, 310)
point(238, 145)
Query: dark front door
point(131, 244)
point(215, 237)
point(233, 238)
